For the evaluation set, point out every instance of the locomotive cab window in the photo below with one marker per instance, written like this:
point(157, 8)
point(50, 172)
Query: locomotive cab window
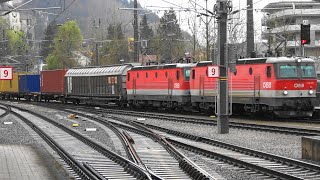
point(147, 75)
point(288, 71)
point(268, 71)
point(292, 70)
point(156, 74)
point(187, 74)
point(193, 74)
point(307, 71)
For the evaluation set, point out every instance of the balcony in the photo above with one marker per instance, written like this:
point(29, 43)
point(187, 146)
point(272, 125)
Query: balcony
point(296, 12)
point(296, 44)
point(291, 29)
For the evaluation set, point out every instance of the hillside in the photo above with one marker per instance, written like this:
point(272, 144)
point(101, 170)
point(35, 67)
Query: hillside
point(87, 11)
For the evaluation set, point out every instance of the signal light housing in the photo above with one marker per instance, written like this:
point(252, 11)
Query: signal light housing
point(305, 34)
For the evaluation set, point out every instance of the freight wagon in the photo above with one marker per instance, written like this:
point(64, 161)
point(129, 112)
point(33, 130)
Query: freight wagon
point(9, 89)
point(29, 87)
point(97, 85)
point(52, 85)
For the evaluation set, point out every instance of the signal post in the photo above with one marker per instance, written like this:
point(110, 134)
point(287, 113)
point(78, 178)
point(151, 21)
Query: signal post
point(222, 8)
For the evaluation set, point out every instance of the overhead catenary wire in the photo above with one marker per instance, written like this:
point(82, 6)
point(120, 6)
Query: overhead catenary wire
point(62, 12)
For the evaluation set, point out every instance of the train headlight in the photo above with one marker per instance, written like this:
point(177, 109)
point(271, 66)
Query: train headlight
point(311, 92)
point(285, 92)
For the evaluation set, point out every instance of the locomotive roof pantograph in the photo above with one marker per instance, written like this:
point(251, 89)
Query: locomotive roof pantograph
point(270, 60)
point(273, 60)
point(99, 71)
point(163, 66)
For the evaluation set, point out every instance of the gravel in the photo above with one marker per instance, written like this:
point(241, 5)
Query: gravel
point(100, 135)
point(280, 144)
point(15, 133)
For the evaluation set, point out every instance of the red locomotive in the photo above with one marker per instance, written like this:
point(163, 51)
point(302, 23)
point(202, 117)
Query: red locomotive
point(159, 86)
point(280, 85)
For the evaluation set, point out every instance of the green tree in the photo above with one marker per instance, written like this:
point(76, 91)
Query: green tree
point(170, 36)
point(117, 48)
point(68, 39)
point(147, 34)
point(17, 42)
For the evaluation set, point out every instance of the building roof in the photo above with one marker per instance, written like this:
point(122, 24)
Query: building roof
point(99, 71)
point(278, 6)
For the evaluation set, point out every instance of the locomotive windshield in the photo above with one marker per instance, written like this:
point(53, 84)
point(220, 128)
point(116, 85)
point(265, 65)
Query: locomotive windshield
point(292, 70)
point(288, 71)
point(186, 74)
point(307, 71)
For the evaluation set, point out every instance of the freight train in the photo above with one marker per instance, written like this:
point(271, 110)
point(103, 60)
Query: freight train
point(283, 86)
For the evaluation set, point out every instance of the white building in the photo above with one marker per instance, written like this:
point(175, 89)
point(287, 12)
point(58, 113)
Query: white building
point(13, 18)
point(282, 23)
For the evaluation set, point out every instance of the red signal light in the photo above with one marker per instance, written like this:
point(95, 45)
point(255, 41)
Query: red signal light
point(303, 41)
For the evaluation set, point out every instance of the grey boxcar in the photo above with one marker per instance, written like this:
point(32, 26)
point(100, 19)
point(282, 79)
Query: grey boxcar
point(97, 85)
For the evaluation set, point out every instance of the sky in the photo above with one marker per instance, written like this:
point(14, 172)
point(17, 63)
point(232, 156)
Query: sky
point(183, 15)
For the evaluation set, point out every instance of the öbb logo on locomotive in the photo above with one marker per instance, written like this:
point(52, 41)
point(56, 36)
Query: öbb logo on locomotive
point(266, 85)
point(298, 85)
point(176, 85)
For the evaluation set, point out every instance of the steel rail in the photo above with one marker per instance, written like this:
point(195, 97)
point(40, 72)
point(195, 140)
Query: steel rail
point(231, 160)
point(83, 172)
point(186, 164)
point(232, 147)
point(250, 126)
point(128, 166)
point(7, 111)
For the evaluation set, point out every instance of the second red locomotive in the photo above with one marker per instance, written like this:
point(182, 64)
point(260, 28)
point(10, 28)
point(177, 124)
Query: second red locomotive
point(282, 86)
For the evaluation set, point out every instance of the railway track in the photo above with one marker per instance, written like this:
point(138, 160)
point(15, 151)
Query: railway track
point(91, 165)
point(194, 120)
point(213, 122)
point(160, 156)
point(162, 161)
point(265, 163)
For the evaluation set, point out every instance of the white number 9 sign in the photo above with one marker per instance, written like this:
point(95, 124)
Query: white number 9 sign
point(6, 73)
point(213, 71)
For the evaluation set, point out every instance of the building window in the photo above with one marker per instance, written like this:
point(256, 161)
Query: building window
point(193, 74)
point(147, 75)
point(156, 74)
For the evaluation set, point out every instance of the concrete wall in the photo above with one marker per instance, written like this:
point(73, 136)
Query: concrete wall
point(311, 148)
